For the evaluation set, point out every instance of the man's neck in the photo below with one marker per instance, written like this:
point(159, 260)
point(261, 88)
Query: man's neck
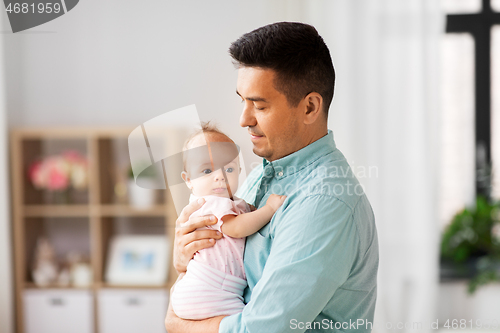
point(315, 135)
point(311, 135)
point(308, 137)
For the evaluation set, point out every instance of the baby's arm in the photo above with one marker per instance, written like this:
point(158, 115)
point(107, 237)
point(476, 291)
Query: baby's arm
point(244, 225)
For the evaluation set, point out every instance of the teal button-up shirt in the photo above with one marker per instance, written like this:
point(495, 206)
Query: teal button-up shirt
point(313, 267)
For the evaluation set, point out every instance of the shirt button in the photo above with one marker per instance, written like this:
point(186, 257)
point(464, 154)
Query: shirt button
point(280, 174)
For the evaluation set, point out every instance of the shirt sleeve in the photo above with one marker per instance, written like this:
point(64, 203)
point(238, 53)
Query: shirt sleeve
point(221, 208)
point(312, 254)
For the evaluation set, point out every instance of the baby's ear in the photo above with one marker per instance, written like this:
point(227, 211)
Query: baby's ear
point(186, 179)
point(184, 176)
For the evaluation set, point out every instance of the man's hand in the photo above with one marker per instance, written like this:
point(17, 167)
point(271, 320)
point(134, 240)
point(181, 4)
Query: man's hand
point(171, 320)
point(174, 324)
point(188, 240)
point(171, 317)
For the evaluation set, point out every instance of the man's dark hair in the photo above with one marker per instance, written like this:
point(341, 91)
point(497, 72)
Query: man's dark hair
point(298, 55)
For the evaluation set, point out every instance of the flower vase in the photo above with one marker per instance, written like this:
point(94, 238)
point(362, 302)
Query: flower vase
point(60, 197)
point(141, 198)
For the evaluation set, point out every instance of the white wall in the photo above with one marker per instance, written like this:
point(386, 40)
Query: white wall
point(6, 286)
point(123, 62)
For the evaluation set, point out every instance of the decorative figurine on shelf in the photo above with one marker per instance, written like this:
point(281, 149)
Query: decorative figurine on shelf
point(81, 275)
point(58, 173)
point(45, 264)
point(79, 270)
point(64, 278)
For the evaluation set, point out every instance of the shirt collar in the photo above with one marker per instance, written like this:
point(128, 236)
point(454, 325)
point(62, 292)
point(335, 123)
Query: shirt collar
point(300, 159)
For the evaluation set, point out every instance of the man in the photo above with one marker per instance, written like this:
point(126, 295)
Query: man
point(314, 266)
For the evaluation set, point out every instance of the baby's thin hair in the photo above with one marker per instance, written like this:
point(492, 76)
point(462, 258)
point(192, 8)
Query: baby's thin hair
point(206, 127)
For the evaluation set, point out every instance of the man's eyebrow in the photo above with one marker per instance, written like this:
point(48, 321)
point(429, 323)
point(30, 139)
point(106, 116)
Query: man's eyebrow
point(253, 99)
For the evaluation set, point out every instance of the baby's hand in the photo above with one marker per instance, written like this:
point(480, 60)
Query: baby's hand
point(275, 201)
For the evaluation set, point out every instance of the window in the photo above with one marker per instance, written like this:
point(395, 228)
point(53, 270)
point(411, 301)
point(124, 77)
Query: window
point(469, 94)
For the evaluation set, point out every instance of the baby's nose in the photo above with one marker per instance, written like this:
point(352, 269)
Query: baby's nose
point(218, 175)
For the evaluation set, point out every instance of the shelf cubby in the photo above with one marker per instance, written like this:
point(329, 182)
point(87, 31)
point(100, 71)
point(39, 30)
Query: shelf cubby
point(86, 220)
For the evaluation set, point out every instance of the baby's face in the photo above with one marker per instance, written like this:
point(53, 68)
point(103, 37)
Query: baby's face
point(212, 168)
point(216, 182)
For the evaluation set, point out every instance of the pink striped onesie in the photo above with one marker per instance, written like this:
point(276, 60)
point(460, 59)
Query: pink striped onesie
point(215, 277)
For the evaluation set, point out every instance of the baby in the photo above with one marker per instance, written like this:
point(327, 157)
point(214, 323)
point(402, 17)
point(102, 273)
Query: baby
point(215, 277)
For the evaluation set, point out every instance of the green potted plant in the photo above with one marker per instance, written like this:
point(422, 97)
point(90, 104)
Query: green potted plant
point(141, 188)
point(470, 246)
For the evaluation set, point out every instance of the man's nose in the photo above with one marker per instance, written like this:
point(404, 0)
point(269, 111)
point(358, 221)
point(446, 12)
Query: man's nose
point(247, 118)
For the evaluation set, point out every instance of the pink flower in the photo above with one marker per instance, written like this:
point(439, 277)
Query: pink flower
point(59, 172)
point(36, 174)
point(72, 156)
point(79, 175)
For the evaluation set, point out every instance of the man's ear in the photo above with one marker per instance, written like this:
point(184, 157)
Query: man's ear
point(186, 179)
point(313, 106)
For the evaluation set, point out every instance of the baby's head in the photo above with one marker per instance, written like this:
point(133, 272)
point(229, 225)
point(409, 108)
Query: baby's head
point(211, 163)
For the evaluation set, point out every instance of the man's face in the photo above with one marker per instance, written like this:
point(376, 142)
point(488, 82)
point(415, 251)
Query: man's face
point(273, 125)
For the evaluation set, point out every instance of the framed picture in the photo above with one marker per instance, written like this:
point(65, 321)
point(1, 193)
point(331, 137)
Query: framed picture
point(138, 260)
